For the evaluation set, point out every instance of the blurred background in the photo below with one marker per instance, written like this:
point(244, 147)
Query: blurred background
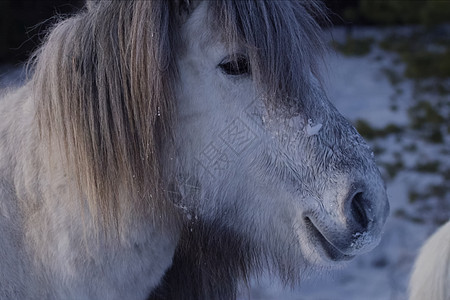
point(389, 74)
point(23, 22)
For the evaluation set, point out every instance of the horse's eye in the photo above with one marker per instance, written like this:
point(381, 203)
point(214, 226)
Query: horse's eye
point(239, 65)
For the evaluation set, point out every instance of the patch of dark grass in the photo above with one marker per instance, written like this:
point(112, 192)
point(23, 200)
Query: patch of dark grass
point(430, 202)
point(381, 262)
point(423, 112)
point(426, 118)
point(378, 58)
point(428, 13)
point(399, 91)
point(393, 76)
point(392, 169)
point(446, 175)
point(442, 89)
point(414, 196)
point(411, 147)
point(438, 87)
point(400, 213)
point(365, 129)
point(378, 150)
point(428, 167)
point(393, 107)
point(397, 61)
point(370, 133)
point(390, 129)
point(439, 190)
point(354, 46)
point(435, 136)
point(399, 43)
point(439, 221)
point(426, 64)
point(425, 54)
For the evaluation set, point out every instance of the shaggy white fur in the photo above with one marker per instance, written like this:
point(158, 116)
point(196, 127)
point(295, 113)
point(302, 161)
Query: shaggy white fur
point(430, 278)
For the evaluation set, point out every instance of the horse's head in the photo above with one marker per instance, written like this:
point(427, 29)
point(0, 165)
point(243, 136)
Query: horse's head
point(262, 152)
point(218, 106)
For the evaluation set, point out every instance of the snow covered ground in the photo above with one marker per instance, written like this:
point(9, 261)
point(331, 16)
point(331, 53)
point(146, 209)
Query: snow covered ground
point(360, 90)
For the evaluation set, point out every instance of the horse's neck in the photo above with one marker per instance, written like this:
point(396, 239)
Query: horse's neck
point(21, 156)
point(55, 227)
point(36, 168)
point(18, 182)
point(16, 118)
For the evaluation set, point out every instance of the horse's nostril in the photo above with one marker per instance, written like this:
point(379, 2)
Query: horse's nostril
point(358, 210)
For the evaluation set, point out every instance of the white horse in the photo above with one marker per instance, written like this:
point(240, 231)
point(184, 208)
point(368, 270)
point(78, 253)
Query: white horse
point(173, 148)
point(430, 278)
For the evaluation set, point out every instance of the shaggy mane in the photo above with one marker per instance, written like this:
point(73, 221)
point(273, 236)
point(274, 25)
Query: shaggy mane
point(103, 89)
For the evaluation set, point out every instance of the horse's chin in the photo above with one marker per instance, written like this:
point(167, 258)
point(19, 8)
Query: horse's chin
point(319, 252)
point(327, 251)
